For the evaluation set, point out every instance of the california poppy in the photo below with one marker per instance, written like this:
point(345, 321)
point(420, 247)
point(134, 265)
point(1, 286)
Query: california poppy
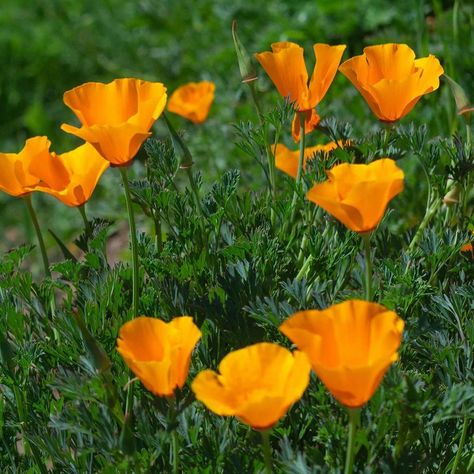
point(193, 100)
point(350, 346)
point(286, 160)
point(286, 67)
point(257, 384)
point(72, 176)
point(391, 80)
point(358, 194)
point(116, 117)
point(16, 177)
point(159, 353)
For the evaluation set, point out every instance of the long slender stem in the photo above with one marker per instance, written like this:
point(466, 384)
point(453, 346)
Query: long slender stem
point(353, 419)
point(300, 165)
point(36, 225)
point(267, 451)
point(87, 224)
point(158, 236)
point(172, 419)
point(461, 445)
point(368, 266)
point(133, 239)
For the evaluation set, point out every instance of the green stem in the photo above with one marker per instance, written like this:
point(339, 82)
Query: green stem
point(267, 451)
point(87, 225)
point(368, 266)
point(353, 419)
point(172, 416)
point(158, 236)
point(36, 225)
point(194, 190)
point(133, 238)
point(461, 445)
point(300, 165)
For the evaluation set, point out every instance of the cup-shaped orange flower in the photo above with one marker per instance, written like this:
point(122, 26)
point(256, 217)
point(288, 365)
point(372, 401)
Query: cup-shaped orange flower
point(159, 353)
point(350, 346)
point(286, 67)
point(72, 176)
point(258, 384)
point(391, 80)
point(116, 117)
point(358, 194)
point(193, 100)
point(286, 160)
point(16, 177)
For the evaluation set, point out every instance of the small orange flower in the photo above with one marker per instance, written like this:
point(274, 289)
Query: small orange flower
point(193, 100)
point(116, 117)
point(391, 80)
point(258, 384)
point(286, 67)
point(16, 178)
point(159, 353)
point(72, 176)
point(468, 247)
point(350, 346)
point(286, 160)
point(357, 195)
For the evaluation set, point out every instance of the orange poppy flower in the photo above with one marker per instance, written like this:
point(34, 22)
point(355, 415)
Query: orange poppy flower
point(257, 384)
point(357, 195)
point(193, 100)
point(286, 160)
point(72, 176)
point(159, 353)
point(350, 346)
point(286, 67)
point(16, 178)
point(467, 248)
point(391, 80)
point(116, 117)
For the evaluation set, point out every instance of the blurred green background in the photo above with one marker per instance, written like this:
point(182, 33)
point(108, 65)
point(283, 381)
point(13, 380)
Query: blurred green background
point(50, 46)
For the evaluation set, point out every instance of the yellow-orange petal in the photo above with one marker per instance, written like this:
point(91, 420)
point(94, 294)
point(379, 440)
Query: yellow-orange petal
point(16, 178)
point(350, 346)
point(83, 168)
point(193, 100)
point(158, 352)
point(116, 117)
point(286, 160)
point(257, 384)
point(358, 194)
point(311, 121)
point(391, 80)
point(327, 61)
point(286, 68)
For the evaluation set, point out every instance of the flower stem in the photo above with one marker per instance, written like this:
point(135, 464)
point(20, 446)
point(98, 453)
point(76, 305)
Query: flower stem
point(36, 225)
point(133, 238)
point(461, 445)
point(368, 266)
point(267, 451)
point(300, 165)
point(172, 417)
point(158, 236)
point(87, 224)
point(353, 421)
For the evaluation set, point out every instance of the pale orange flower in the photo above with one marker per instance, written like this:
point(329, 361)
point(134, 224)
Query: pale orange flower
point(358, 194)
point(286, 160)
point(116, 117)
point(72, 176)
point(257, 384)
point(286, 67)
point(391, 80)
point(16, 178)
point(350, 346)
point(159, 353)
point(193, 100)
